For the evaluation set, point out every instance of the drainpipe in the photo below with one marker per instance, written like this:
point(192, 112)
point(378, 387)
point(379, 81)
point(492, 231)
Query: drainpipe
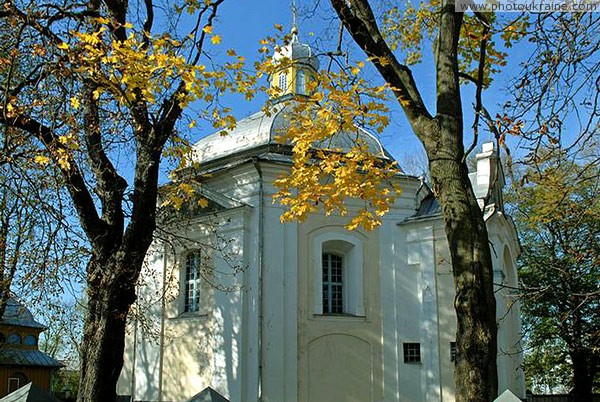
point(260, 270)
point(162, 326)
point(135, 347)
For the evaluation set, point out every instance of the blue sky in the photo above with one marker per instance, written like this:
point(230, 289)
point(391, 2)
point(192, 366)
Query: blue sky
point(243, 23)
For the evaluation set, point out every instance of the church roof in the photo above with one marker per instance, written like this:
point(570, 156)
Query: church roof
point(486, 180)
point(24, 357)
point(298, 52)
point(19, 315)
point(260, 130)
point(430, 206)
point(208, 395)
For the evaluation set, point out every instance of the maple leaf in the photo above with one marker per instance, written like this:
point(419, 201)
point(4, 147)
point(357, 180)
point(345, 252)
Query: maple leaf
point(75, 103)
point(42, 160)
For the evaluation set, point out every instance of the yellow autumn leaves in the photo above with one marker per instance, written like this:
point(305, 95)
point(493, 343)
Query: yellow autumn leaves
point(214, 39)
point(62, 152)
point(336, 163)
point(129, 70)
point(143, 68)
point(407, 28)
point(140, 68)
point(183, 194)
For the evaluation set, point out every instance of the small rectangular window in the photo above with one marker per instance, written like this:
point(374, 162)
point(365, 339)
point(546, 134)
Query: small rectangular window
point(412, 352)
point(13, 384)
point(283, 81)
point(453, 351)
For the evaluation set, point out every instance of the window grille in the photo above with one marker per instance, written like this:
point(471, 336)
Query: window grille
point(283, 81)
point(333, 286)
point(453, 351)
point(412, 352)
point(192, 282)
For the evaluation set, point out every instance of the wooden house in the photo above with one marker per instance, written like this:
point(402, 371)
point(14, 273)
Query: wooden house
point(20, 360)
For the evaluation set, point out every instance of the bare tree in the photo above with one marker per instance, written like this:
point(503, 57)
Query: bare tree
point(555, 100)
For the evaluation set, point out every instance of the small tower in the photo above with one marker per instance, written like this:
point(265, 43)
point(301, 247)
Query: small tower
point(20, 360)
point(298, 65)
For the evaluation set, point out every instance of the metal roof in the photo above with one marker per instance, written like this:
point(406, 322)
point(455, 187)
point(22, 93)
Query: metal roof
point(17, 314)
point(262, 129)
point(24, 357)
point(430, 206)
point(297, 51)
point(208, 395)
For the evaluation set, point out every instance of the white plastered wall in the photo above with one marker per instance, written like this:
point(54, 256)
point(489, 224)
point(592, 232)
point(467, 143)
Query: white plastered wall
point(505, 249)
point(142, 356)
point(279, 359)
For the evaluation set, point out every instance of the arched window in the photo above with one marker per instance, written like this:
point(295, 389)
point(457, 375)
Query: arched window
point(338, 274)
point(14, 339)
point(283, 81)
point(30, 340)
point(333, 284)
point(193, 262)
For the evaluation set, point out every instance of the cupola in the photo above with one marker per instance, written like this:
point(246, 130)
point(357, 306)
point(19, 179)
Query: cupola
point(298, 65)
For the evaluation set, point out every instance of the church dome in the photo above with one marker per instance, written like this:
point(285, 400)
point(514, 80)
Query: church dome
point(297, 52)
point(258, 134)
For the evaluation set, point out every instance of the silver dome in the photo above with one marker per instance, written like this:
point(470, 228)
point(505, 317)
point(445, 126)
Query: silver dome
point(260, 130)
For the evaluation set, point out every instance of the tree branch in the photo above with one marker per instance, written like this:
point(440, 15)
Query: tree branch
point(93, 226)
point(151, 141)
point(447, 82)
point(11, 11)
point(359, 20)
point(149, 21)
point(479, 82)
point(111, 186)
point(118, 11)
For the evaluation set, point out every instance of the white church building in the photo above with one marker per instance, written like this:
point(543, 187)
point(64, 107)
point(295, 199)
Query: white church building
point(258, 310)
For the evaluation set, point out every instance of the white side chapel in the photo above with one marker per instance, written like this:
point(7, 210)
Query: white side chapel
point(263, 311)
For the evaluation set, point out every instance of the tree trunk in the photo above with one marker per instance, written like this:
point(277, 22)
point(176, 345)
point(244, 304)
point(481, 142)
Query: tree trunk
point(111, 292)
point(476, 338)
point(584, 370)
point(442, 136)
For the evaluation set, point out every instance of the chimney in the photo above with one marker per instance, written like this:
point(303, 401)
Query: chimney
point(489, 177)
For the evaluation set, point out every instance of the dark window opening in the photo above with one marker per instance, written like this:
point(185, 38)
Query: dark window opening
point(412, 352)
point(192, 282)
point(333, 286)
point(453, 351)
